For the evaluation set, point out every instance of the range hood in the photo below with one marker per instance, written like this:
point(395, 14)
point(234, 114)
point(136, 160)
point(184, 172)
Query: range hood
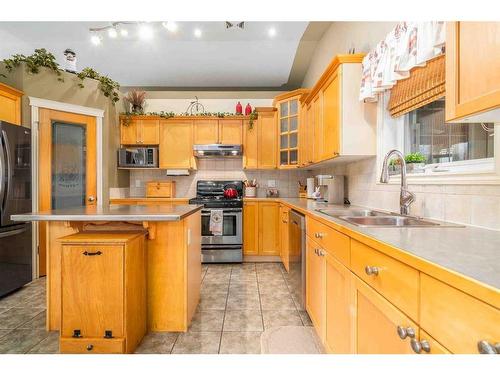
point(218, 151)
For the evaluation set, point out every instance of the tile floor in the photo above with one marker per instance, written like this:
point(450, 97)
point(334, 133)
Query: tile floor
point(238, 302)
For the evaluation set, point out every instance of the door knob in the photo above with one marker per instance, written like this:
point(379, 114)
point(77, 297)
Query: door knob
point(91, 198)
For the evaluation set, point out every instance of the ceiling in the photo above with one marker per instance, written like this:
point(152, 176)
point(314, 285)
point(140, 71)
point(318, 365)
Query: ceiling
point(221, 57)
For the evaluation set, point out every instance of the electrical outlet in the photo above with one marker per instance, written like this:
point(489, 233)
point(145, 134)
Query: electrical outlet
point(271, 183)
point(138, 183)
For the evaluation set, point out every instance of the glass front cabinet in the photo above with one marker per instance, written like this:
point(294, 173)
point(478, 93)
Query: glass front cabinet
point(288, 106)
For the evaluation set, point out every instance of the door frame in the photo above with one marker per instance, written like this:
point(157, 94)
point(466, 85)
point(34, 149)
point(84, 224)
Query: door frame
point(36, 104)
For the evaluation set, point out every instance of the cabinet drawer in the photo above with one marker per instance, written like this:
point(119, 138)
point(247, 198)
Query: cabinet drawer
point(89, 345)
point(394, 280)
point(336, 243)
point(160, 189)
point(455, 319)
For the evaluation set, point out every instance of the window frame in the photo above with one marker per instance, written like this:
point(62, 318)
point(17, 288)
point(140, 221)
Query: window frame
point(476, 171)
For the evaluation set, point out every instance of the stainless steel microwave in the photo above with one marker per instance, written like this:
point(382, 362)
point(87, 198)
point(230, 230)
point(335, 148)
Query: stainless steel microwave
point(138, 157)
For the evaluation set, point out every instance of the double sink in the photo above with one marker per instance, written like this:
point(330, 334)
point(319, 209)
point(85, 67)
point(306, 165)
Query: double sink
point(372, 218)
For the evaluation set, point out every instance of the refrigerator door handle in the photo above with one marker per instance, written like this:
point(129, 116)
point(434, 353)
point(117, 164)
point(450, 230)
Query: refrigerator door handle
point(3, 175)
point(8, 165)
point(12, 232)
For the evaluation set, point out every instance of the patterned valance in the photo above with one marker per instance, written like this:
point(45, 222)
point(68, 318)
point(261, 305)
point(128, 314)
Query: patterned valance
point(425, 85)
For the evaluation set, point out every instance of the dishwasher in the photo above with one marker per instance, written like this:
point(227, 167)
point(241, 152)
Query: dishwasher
point(297, 253)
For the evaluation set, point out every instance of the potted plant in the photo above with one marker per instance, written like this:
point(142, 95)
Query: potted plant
point(415, 162)
point(136, 99)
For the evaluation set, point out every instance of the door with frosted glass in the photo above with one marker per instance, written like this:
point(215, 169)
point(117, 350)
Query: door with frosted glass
point(66, 165)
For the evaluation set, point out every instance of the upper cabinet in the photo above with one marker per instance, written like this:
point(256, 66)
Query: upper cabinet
point(10, 104)
point(260, 140)
point(341, 125)
point(222, 131)
point(472, 71)
point(176, 144)
point(138, 131)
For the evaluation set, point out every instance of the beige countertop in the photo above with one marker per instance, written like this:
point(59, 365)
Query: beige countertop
point(160, 212)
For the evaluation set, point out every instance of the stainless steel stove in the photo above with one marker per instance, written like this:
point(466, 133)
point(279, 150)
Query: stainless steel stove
point(228, 247)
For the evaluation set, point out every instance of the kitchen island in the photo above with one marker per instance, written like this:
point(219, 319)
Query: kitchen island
point(171, 234)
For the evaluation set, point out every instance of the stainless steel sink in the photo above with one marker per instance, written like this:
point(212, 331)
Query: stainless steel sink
point(337, 212)
point(388, 221)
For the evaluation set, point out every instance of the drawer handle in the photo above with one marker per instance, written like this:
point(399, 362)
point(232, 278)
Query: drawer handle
point(90, 347)
point(371, 270)
point(403, 332)
point(484, 347)
point(419, 346)
point(89, 254)
point(318, 235)
point(319, 252)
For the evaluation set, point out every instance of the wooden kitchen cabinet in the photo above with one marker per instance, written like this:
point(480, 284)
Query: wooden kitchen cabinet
point(331, 117)
point(139, 131)
point(269, 228)
point(317, 124)
point(250, 228)
point(339, 332)
point(315, 286)
point(10, 104)
point(284, 236)
point(376, 323)
point(250, 145)
point(103, 299)
point(267, 140)
point(230, 132)
point(472, 71)
point(206, 131)
point(176, 150)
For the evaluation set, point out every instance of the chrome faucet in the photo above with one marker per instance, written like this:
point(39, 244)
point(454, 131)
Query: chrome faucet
point(406, 197)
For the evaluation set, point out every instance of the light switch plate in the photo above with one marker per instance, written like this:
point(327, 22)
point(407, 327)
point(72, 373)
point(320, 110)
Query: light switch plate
point(271, 183)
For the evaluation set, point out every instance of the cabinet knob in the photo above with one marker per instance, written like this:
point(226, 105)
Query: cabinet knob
point(484, 347)
point(420, 346)
point(318, 235)
point(91, 198)
point(403, 332)
point(371, 270)
point(90, 347)
point(321, 252)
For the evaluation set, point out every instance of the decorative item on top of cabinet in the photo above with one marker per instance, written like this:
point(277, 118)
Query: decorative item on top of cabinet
point(342, 125)
point(10, 104)
point(289, 116)
point(472, 72)
point(160, 189)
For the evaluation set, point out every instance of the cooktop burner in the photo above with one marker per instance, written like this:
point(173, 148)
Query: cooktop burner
point(211, 194)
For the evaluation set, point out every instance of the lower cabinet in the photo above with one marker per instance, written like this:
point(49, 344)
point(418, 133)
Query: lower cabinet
point(339, 338)
point(103, 299)
point(284, 236)
point(315, 286)
point(261, 228)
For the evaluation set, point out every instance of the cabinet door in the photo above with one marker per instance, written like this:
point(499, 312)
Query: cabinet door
point(267, 147)
point(376, 323)
point(284, 237)
point(250, 228)
point(269, 228)
point(206, 132)
point(339, 337)
point(176, 144)
point(10, 104)
point(250, 145)
point(434, 346)
point(318, 128)
point(92, 292)
point(149, 132)
point(472, 70)
point(331, 116)
point(310, 144)
point(231, 132)
point(129, 131)
point(315, 287)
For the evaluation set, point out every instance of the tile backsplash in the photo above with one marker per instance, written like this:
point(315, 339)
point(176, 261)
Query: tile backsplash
point(220, 169)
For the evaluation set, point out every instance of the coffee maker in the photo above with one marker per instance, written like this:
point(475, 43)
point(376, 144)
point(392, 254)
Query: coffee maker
point(331, 188)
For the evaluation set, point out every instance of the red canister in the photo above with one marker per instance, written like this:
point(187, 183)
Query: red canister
point(239, 109)
point(248, 109)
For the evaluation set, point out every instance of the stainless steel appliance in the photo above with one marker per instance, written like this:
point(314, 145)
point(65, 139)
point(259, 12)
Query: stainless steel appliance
point(228, 247)
point(218, 151)
point(138, 157)
point(16, 255)
point(297, 241)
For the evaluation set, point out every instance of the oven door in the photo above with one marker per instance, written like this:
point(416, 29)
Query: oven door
point(231, 229)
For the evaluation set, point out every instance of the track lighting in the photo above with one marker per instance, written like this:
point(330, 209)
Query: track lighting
point(123, 32)
point(146, 32)
point(271, 32)
point(95, 39)
point(112, 33)
point(170, 26)
point(197, 33)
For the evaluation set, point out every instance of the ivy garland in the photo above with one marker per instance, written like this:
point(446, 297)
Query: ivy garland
point(42, 58)
point(167, 115)
point(253, 117)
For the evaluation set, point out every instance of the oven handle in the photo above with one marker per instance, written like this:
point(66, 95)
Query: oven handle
point(224, 214)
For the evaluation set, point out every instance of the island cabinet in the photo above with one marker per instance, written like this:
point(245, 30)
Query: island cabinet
point(261, 228)
point(341, 125)
point(139, 131)
point(472, 72)
point(176, 144)
point(10, 104)
point(103, 292)
point(260, 140)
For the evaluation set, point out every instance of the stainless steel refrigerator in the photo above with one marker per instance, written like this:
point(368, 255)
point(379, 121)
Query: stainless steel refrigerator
point(16, 256)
